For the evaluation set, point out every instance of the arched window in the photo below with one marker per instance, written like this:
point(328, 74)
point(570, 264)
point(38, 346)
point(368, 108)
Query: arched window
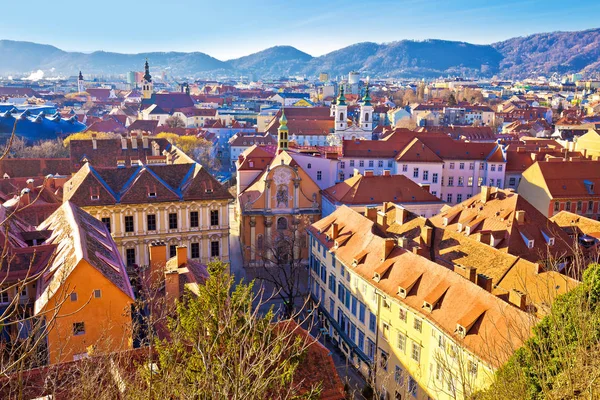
point(260, 242)
point(282, 223)
point(341, 116)
point(366, 117)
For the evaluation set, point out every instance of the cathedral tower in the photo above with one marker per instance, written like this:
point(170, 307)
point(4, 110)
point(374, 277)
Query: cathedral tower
point(147, 87)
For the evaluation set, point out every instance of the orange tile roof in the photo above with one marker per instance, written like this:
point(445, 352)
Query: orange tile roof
point(487, 339)
point(570, 182)
point(376, 189)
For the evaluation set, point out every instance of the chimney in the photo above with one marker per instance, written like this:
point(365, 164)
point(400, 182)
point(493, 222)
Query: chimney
point(25, 197)
point(94, 142)
point(518, 299)
point(382, 220)
point(426, 234)
point(485, 193)
point(123, 143)
point(520, 216)
point(401, 215)
point(30, 184)
point(371, 213)
point(134, 142)
point(158, 261)
point(484, 282)
point(335, 231)
point(388, 246)
point(469, 273)
point(181, 255)
point(171, 286)
point(403, 242)
point(145, 140)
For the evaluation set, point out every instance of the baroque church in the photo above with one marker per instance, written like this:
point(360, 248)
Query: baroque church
point(357, 129)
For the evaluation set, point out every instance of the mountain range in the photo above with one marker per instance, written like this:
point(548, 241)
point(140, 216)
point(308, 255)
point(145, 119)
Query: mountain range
point(538, 54)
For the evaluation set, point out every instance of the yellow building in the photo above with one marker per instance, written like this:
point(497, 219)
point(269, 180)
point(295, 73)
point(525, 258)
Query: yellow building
point(180, 204)
point(589, 144)
point(417, 328)
point(84, 295)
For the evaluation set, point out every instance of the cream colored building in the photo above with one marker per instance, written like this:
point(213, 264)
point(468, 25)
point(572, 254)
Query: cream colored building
point(419, 329)
point(181, 205)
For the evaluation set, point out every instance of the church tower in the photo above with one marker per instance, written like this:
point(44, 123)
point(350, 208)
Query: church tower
point(147, 82)
point(282, 133)
point(366, 111)
point(80, 87)
point(341, 111)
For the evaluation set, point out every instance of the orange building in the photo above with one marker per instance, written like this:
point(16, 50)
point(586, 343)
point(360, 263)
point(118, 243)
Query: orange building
point(86, 285)
point(281, 200)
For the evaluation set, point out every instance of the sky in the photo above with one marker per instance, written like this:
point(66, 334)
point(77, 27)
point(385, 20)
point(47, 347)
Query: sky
point(228, 29)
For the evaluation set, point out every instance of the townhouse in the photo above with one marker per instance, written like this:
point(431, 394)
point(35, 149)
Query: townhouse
point(557, 185)
point(417, 328)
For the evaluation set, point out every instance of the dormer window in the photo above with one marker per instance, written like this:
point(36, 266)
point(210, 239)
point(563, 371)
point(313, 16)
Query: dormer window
point(551, 242)
point(402, 292)
point(461, 330)
point(530, 244)
point(95, 197)
point(152, 194)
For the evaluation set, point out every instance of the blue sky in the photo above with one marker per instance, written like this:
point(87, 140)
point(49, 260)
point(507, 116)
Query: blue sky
point(228, 29)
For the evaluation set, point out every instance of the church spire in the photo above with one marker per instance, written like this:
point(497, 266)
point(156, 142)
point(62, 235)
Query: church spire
point(147, 76)
point(341, 98)
point(367, 97)
point(282, 132)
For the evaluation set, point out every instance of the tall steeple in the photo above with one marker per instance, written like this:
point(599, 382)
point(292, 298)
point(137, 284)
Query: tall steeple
point(282, 132)
point(147, 86)
point(341, 111)
point(80, 87)
point(366, 111)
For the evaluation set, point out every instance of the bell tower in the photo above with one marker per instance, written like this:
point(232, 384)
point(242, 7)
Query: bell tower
point(282, 133)
point(341, 111)
point(80, 87)
point(366, 111)
point(147, 86)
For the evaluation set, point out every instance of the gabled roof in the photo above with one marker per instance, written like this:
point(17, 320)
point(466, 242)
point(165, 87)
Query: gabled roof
point(570, 179)
point(417, 151)
point(79, 236)
point(376, 189)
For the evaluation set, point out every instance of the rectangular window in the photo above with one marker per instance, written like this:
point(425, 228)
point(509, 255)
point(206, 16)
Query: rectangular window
point(412, 387)
point(172, 250)
point(399, 377)
point(130, 256)
point(318, 175)
point(385, 331)
point(361, 163)
point(416, 352)
point(194, 220)
point(151, 222)
point(106, 222)
point(361, 312)
point(332, 283)
point(472, 166)
point(341, 290)
point(129, 223)
point(402, 314)
point(97, 293)
point(353, 332)
point(173, 221)
point(361, 340)
point(371, 164)
point(404, 167)
point(195, 248)
point(434, 178)
point(418, 325)
point(470, 181)
point(390, 163)
point(354, 304)
point(579, 206)
point(383, 360)
point(459, 198)
point(461, 181)
point(415, 172)
point(479, 181)
point(401, 342)
point(450, 181)
point(352, 163)
point(500, 168)
point(425, 175)
point(499, 183)
point(380, 163)
point(214, 217)
point(371, 350)
point(342, 164)
point(73, 297)
point(556, 206)
point(331, 306)
point(568, 206)
point(323, 273)
point(493, 167)
point(214, 249)
point(461, 165)
point(372, 322)
point(451, 165)
point(449, 198)
point(78, 328)
point(590, 207)
point(512, 181)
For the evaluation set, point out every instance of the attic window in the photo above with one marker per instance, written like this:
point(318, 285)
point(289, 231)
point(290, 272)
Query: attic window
point(551, 241)
point(402, 292)
point(461, 330)
point(530, 244)
point(95, 197)
point(152, 194)
point(428, 306)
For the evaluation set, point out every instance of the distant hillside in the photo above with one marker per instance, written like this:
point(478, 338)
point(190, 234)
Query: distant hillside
point(24, 57)
point(539, 54)
point(546, 53)
point(275, 61)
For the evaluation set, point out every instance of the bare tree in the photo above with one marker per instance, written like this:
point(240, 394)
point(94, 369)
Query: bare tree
point(175, 122)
